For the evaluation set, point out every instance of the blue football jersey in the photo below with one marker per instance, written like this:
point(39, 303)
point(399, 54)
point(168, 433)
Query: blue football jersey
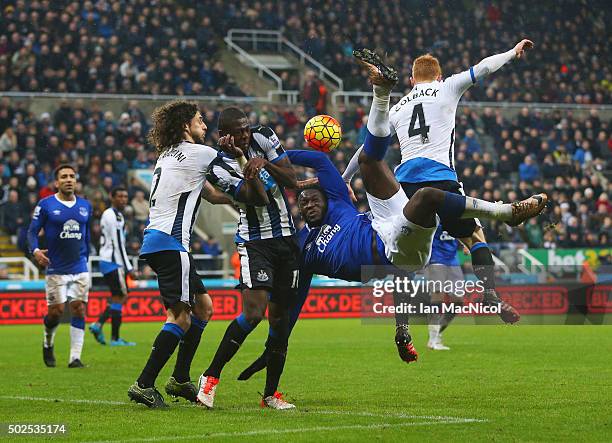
point(343, 243)
point(444, 249)
point(66, 226)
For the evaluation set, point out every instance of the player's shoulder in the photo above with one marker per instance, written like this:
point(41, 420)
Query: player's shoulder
point(108, 212)
point(45, 202)
point(83, 201)
point(264, 137)
point(264, 131)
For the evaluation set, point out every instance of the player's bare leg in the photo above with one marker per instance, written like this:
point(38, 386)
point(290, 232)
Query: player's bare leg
point(51, 322)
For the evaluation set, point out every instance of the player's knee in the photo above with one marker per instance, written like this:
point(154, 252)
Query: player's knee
point(365, 159)
point(204, 307)
point(55, 311)
point(77, 309)
point(253, 315)
point(428, 198)
point(183, 320)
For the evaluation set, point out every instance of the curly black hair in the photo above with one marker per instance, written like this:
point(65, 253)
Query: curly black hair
point(169, 123)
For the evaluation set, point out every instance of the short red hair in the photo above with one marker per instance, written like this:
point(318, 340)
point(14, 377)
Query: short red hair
point(426, 68)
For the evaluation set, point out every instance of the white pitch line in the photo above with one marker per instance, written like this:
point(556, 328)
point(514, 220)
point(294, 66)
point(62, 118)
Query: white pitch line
point(257, 410)
point(433, 420)
point(287, 431)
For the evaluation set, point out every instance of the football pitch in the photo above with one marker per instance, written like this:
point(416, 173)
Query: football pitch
point(519, 383)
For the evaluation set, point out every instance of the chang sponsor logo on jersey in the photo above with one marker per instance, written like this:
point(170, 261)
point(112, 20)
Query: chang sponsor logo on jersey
point(71, 229)
point(325, 236)
point(266, 179)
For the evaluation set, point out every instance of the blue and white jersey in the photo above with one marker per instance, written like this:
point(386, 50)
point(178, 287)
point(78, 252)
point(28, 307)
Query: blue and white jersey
point(112, 242)
point(444, 249)
point(178, 179)
point(343, 243)
point(424, 121)
point(66, 226)
point(256, 222)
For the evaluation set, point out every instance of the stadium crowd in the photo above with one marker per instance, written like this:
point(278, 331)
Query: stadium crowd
point(557, 152)
point(172, 47)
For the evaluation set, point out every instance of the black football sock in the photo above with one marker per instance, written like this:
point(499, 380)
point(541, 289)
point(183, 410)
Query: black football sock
point(105, 314)
point(401, 300)
point(484, 267)
point(163, 347)
point(187, 349)
point(235, 334)
point(448, 317)
point(276, 350)
point(275, 363)
point(116, 318)
point(255, 367)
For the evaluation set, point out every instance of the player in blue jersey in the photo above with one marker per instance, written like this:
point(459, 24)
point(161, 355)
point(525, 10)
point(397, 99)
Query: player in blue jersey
point(443, 268)
point(338, 240)
point(65, 220)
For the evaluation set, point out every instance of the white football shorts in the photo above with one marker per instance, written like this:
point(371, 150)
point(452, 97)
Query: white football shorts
point(61, 287)
point(406, 244)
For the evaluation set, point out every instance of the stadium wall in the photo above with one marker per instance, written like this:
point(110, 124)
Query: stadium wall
point(28, 306)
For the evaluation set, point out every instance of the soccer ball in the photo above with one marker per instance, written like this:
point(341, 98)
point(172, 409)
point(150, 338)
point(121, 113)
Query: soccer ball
point(323, 133)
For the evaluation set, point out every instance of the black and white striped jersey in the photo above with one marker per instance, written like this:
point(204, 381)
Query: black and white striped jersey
point(178, 179)
point(256, 222)
point(112, 241)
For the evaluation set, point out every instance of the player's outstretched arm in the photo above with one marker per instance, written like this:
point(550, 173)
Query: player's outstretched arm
point(494, 62)
point(329, 178)
point(459, 83)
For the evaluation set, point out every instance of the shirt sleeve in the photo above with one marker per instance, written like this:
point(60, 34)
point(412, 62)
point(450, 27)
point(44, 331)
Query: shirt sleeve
point(270, 143)
point(329, 178)
point(225, 178)
point(459, 83)
point(39, 218)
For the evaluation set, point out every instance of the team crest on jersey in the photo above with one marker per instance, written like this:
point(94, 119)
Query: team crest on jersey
point(406, 230)
point(83, 211)
point(262, 275)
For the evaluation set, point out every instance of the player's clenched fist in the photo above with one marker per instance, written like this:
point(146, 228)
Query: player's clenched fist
point(521, 46)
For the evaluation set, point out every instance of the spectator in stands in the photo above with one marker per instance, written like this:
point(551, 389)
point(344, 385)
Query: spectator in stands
point(314, 95)
point(14, 213)
point(528, 170)
point(141, 206)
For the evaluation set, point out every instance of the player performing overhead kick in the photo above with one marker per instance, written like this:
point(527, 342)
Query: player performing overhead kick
point(338, 240)
point(424, 121)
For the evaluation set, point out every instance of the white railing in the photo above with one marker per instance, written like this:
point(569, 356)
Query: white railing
point(30, 271)
point(223, 272)
point(261, 68)
point(365, 98)
point(258, 38)
point(536, 266)
point(500, 264)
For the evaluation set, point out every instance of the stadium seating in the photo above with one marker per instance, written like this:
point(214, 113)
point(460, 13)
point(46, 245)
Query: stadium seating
point(102, 48)
point(569, 156)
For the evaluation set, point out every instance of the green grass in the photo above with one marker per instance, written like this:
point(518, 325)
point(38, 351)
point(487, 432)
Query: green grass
point(522, 383)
